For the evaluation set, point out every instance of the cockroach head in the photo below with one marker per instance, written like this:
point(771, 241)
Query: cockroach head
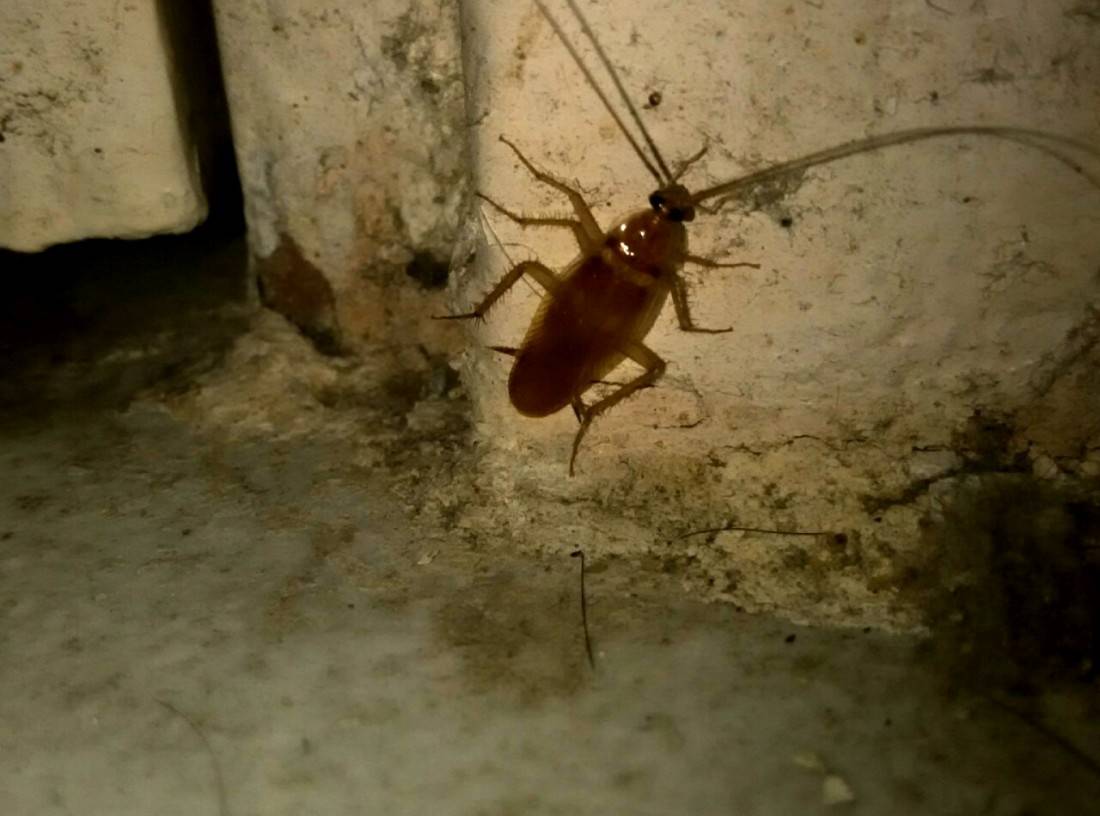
point(673, 202)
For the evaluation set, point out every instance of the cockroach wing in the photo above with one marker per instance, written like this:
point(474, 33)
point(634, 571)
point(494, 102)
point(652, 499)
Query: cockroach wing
point(577, 335)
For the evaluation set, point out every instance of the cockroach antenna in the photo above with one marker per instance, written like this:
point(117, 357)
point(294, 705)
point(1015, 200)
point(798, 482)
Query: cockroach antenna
point(1036, 139)
point(664, 176)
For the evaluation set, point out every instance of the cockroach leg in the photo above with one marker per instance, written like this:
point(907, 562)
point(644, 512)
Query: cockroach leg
point(683, 309)
point(511, 351)
point(540, 221)
point(590, 236)
point(542, 274)
point(707, 263)
point(578, 409)
point(654, 367)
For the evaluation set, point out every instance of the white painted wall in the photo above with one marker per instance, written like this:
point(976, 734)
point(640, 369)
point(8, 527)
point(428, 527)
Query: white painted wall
point(92, 144)
point(913, 289)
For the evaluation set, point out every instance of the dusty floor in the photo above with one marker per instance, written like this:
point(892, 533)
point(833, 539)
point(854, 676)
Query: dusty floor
point(220, 595)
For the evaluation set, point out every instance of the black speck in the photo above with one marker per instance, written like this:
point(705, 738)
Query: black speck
point(786, 222)
point(789, 639)
point(428, 270)
point(186, 531)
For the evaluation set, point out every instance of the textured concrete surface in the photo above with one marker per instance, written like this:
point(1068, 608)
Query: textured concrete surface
point(348, 122)
point(922, 317)
point(95, 135)
point(240, 583)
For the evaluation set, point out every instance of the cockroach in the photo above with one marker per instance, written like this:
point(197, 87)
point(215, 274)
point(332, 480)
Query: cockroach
point(597, 312)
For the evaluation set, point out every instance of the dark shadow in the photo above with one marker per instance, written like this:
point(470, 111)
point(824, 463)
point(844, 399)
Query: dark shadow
point(191, 39)
point(88, 325)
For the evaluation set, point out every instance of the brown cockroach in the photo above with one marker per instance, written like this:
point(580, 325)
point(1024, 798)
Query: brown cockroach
point(598, 312)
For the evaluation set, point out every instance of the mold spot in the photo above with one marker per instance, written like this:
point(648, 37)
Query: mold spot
point(1012, 589)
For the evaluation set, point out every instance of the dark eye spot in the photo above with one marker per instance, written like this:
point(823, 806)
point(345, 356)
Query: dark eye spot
point(654, 99)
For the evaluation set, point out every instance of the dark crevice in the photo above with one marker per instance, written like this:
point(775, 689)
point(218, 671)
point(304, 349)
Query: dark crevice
point(199, 90)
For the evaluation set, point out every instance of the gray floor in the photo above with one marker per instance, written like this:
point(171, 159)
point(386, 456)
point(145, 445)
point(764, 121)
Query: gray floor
point(255, 622)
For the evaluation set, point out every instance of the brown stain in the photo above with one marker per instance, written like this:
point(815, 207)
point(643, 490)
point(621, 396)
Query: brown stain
point(515, 635)
point(293, 286)
point(1061, 420)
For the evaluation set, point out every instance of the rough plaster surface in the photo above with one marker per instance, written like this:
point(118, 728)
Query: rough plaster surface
point(922, 316)
point(227, 613)
point(236, 578)
point(91, 136)
point(348, 126)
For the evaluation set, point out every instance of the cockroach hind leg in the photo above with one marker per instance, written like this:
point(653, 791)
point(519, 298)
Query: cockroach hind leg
point(654, 370)
point(511, 351)
point(586, 420)
point(578, 411)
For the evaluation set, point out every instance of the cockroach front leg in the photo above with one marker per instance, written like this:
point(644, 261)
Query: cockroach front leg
point(680, 293)
point(683, 309)
point(707, 263)
point(654, 367)
point(587, 231)
point(541, 273)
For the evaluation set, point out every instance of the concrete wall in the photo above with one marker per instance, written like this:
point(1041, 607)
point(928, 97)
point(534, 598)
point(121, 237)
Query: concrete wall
point(924, 325)
point(922, 318)
point(348, 123)
point(94, 138)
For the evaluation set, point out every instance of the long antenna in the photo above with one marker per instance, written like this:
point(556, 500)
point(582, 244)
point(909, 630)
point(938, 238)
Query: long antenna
point(662, 180)
point(1025, 136)
point(623, 95)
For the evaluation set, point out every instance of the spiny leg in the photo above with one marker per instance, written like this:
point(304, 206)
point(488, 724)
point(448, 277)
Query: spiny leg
point(540, 221)
point(683, 309)
point(589, 229)
point(543, 274)
point(654, 367)
point(578, 409)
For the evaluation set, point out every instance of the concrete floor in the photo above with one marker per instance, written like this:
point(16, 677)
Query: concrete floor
point(222, 605)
